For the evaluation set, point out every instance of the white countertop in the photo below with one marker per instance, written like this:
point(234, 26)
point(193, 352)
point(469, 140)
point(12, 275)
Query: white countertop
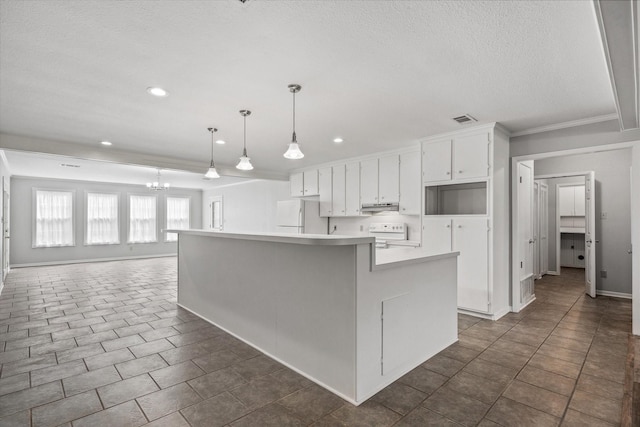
point(398, 256)
point(300, 239)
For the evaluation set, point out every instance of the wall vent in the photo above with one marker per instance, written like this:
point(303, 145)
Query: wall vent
point(465, 119)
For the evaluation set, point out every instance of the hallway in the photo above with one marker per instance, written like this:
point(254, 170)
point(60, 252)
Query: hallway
point(105, 344)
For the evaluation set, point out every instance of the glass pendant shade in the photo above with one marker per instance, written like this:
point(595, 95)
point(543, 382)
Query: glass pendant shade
point(245, 162)
point(293, 152)
point(212, 172)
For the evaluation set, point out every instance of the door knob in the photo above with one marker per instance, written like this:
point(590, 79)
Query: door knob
point(530, 241)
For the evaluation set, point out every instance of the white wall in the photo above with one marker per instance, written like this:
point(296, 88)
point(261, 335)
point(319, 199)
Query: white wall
point(613, 193)
point(22, 252)
point(249, 206)
point(635, 230)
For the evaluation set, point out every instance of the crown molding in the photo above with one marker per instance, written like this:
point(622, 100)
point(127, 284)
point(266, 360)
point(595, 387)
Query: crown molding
point(565, 125)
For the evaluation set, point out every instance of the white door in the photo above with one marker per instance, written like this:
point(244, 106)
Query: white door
point(352, 189)
point(471, 239)
point(536, 226)
point(215, 213)
point(325, 189)
point(5, 229)
point(590, 235)
point(369, 181)
point(471, 156)
point(338, 191)
point(523, 256)
point(436, 235)
point(543, 234)
point(436, 161)
point(389, 179)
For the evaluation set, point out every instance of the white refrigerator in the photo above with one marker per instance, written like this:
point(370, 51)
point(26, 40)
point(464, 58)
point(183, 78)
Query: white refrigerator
point(297, 216)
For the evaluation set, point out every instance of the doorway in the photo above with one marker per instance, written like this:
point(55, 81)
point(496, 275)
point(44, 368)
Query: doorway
point(5, 228)
point(215, 209)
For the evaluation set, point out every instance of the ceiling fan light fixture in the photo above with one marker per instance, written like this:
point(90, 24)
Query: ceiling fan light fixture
point(293, 151)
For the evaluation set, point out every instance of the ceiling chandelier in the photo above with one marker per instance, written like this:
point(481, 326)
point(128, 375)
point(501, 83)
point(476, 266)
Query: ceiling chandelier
point(157, 185)
point(293, 152)
point(245, 162)
point(212, 172)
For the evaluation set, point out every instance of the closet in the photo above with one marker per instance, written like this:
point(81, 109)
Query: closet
point(571, 214)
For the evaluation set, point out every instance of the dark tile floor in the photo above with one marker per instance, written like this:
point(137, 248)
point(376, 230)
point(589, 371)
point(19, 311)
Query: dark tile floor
point(105, 345)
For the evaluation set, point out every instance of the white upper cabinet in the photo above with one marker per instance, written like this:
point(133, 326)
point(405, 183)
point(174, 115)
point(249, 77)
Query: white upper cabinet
point(326, 193)
point(339, 191)
point(296, 185)
point(436, 161)
point(410, 183)
point(311, 183)
point(571, 200)
point(471, 156)
point(369, 181)
point(578, 201)
point(460, 158)
point(352, 189)
point(389, 179)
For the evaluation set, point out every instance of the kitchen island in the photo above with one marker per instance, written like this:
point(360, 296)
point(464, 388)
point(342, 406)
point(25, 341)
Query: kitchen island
point(323, 305)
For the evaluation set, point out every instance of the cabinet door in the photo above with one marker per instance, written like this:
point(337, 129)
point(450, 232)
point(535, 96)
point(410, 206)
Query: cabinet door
point(578, 201)
point(339, 191)
point(566, 196)
point(410, 183)
point(369, 181)
point(325, 187)
point(296, 188)
point(352, 189)
point(471, 156)
point(471, 239)
point(436, 235)
point(436, 161)
point(311, 183)
point(389, 179)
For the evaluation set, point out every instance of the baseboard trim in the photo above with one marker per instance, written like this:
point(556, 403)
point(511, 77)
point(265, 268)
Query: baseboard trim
point(613, 294)
point(553, 273)
point(82, 261)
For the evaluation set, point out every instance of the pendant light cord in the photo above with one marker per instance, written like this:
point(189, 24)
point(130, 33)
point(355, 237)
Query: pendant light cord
point(294, 112)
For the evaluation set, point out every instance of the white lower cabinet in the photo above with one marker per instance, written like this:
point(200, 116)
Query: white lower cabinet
point(470, 237)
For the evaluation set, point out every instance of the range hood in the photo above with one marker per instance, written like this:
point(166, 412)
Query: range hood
point(380, 207)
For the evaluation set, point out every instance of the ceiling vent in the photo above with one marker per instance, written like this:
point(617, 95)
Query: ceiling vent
point(465, 119)
point(68, 165)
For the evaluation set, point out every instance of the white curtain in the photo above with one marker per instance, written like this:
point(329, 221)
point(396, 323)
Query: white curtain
point(102, 219)
point(142, 219)
point(54, 218)
point(177, 215)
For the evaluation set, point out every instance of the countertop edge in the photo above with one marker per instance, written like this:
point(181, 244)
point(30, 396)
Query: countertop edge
point(416, 260)
point(299, 239)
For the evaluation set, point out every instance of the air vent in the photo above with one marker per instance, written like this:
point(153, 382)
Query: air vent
point(465, 119)
point(68, 165)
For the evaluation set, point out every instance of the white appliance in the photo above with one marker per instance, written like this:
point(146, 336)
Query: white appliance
point(386, 232)
point(299, 216)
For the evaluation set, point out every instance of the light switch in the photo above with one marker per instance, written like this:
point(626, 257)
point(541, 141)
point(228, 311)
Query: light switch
point(603, 215)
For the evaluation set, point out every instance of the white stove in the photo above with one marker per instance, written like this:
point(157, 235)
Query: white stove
point(386, 231)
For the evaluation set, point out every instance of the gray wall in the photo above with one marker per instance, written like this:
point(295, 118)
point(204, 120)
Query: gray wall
point(22, 217)
point(613, 193)
point(575, 137)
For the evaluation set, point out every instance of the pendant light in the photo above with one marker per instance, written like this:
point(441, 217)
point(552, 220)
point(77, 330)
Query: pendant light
point(293, 152)
point(245, 162)
point(212, 172)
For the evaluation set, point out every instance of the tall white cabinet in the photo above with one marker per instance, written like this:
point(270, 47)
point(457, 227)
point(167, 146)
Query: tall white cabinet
point(465, 208)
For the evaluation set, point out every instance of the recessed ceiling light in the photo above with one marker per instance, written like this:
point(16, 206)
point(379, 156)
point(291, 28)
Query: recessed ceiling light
point(105, 143)
point(338, 140)
point(157, 91)
point(221, 142)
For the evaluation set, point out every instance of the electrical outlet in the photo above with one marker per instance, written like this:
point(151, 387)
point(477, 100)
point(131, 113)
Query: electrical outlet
point(603, 274)
point(361, 227)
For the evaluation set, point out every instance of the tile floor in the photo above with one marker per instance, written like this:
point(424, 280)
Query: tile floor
point(104, 344)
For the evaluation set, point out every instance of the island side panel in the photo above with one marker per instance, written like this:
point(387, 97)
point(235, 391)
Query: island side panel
point(294, 302)
point(420, 318)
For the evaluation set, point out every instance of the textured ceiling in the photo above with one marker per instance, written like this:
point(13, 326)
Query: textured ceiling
point(380, 74)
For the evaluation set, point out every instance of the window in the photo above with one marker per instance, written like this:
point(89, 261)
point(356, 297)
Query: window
point(142, 219)
point(177, 215)
point(102, 219)
point(54, 219)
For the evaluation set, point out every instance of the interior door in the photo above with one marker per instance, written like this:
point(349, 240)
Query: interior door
point(5, 229)
point(590, 234)
point(543, 234)
point(215, 213)
point(536, 228)
point(524, 260)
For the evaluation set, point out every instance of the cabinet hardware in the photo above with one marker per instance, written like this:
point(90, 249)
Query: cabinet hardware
point(448, 173)
point(459, 171)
